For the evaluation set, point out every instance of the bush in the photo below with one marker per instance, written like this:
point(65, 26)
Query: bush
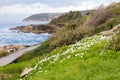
point(69, 35)
point(67, 18)
point(115, 8)
point(99, 17)
point(114, 44)
point(3, 53)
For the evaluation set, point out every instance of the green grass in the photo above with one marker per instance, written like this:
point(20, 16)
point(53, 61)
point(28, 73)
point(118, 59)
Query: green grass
point(85, 60)
point(13, 71)
point(29, 59)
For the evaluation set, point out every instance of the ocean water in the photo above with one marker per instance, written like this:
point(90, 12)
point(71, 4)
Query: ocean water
point(14, 37)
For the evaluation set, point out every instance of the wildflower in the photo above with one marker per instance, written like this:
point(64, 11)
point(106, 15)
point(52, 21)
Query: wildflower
point(45, 70)
point(37, 73)
point(40, 68)
point(77, 55)
point(81, 56)
point(82, 53)
point(50, 62)
point(69, 56)
point(56, 58)
point(40, 71)
point(61, 61)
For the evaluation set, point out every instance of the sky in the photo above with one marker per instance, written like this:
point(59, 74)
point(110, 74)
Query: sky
point(48, 6)
point(14, 10)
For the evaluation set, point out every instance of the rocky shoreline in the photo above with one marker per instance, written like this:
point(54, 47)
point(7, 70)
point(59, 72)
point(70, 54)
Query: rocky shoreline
point(37, 29)
point(13, 48)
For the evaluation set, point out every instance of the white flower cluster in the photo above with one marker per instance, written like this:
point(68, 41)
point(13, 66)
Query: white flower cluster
point(84, 44)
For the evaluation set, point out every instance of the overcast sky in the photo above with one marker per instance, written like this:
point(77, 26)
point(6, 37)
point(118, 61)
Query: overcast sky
point(44, 6)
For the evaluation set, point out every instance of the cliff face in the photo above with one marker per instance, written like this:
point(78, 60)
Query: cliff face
point(37, 29)
point(49, 16)
point(57, 20)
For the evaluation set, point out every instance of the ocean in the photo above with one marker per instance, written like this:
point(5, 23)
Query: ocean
point(8, 37)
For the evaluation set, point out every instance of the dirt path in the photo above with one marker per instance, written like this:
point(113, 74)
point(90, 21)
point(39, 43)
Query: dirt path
point(12, 57)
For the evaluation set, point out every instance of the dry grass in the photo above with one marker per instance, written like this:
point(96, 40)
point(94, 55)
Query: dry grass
point(3, 53)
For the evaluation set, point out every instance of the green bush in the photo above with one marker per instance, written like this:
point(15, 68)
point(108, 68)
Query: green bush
point(114, 44)
point(114, 8)
point(71, 32)
point(69, 35)
point(67, 18)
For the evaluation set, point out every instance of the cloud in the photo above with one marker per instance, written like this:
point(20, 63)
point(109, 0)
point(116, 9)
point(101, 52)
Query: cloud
point(44, 8)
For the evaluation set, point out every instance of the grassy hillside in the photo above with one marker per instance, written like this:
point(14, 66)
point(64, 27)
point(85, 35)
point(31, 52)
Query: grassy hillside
point(77, 26)
point(84, 60)
point(71, 54)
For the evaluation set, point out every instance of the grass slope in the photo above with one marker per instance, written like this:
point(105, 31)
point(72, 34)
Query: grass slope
point(84, 60)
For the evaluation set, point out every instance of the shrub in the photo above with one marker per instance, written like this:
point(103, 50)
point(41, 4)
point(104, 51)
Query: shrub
point(115, 8)
point(99, 17)
point(67, 18)
point(114, 44)
point(3, 53)
point(69, 36)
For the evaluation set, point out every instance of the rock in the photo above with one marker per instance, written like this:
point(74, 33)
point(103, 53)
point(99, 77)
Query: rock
point(13, 48)
point(26, 71)
point(116, 28)
point(37, 29)
point(113, 31)
point(107, 33)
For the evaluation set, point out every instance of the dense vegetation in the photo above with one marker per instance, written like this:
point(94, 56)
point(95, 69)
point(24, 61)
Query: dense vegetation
point(96, 57)
point(105, 18)
point(77, 26)
point(84, 60)
point(67, 18)
point(114, 43)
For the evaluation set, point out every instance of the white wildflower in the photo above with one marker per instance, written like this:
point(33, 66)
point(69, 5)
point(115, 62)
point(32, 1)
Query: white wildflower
point(69, 56)
point(37, 73)
point(77, 55)
point(40, 71)
point(40, 68)
point(50, 62)
point(82, 53)
point(56, 58)
point(45, 70)
point(81, 56)
point(61, 61)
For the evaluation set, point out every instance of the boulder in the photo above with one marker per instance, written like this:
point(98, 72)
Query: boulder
point(113, 31)
point(26, 71)
point(37, 29)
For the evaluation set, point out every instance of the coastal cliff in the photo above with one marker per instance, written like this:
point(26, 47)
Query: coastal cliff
point(42, 17)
